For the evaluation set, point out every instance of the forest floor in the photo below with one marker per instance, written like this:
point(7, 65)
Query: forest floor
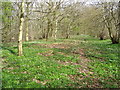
point(78, 62)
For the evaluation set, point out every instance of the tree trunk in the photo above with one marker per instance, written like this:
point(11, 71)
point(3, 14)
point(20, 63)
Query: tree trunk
point(56, 29)
point(27, 30)
point(21, 30)
point(27, 24)
point(115, 40)
point(101, 35)
point(116, 37)
point(48, 30)
point(101, 38)
point(119, 20)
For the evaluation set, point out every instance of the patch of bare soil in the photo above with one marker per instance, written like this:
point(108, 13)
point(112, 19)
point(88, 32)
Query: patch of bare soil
point(61, 53)
point(9, 68)
point(38, 81)
point(67, 63)
point(25, 72)
point(48, 53)
point(55, 45)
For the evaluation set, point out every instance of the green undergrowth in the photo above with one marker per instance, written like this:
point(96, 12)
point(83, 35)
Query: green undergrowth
point(33, 70)
point(104, 61)
point(44, 67)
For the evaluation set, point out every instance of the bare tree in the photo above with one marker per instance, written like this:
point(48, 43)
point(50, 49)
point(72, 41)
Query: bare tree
point(111, 21)
point(20, 50)
point(27, 20)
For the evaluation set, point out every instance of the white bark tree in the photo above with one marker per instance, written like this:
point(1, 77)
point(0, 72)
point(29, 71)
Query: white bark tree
point(20, 49)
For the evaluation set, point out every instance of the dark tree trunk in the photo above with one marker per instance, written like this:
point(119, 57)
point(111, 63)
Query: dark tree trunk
point(115, 40)
point(101, 38)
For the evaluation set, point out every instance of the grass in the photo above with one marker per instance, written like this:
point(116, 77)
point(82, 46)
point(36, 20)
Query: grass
point(51, 67)
point(104, 61)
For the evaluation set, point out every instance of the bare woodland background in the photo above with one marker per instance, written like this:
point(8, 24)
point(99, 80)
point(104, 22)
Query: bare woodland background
point(52, 19)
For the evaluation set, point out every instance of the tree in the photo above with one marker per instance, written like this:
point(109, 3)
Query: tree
point(20, 51)
point(111, 20)
point(6, 20)
point(28, 4)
